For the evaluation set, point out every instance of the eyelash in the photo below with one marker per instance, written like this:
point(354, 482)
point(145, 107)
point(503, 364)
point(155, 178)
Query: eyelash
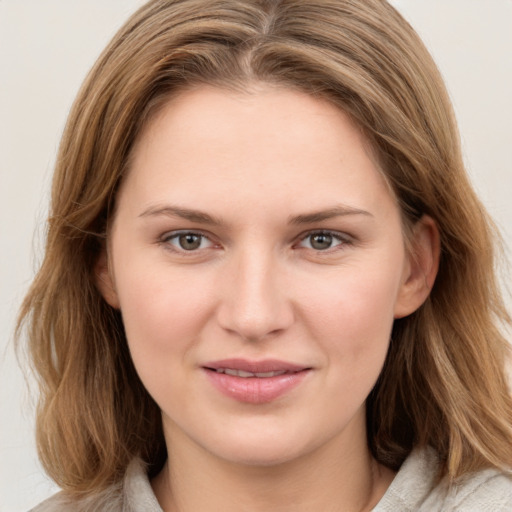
point(342, 241)
point(175, 235)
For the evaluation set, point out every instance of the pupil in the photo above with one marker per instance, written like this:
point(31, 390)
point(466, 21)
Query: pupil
point(190, 241)
point(321, 241)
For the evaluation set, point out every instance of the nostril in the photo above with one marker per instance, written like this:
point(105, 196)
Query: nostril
point(253, 303)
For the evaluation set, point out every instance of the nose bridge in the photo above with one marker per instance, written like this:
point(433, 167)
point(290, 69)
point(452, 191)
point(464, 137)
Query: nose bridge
point(255, 304)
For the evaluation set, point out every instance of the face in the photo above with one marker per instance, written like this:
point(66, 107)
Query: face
point(258, 261)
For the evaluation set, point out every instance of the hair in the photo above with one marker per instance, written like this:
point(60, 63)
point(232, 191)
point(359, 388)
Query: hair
point(443, 383)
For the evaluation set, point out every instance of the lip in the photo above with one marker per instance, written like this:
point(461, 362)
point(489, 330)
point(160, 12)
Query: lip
point(255, 390)
point(263, 366)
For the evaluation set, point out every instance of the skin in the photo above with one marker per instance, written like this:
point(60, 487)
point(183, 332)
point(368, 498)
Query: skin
point(260, 286)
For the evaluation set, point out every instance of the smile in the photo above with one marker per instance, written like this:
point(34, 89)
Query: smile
point(255, 382)
point(246, 375)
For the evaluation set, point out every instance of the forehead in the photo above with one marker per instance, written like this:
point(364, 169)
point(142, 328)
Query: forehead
point(273, 143)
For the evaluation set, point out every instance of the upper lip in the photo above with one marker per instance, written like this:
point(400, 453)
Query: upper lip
point(263, 366)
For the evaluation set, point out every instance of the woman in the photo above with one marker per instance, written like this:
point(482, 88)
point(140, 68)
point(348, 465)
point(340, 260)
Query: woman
point(266, 272)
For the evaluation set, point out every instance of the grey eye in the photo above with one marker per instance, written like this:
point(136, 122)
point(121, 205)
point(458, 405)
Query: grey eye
point(189, 241)
point(321, 241)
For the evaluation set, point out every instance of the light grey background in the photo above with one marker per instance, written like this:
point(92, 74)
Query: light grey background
point(46, 48)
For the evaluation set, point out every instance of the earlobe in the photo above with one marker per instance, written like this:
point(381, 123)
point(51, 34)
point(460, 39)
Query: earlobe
point(104, 280)
point(421, 267)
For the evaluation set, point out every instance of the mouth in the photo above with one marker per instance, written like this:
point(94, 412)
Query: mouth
point(260, 369)
point(245, 375)
point(255, 382)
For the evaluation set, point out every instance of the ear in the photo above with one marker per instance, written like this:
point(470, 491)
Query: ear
point(420, 269)
point(104, 280)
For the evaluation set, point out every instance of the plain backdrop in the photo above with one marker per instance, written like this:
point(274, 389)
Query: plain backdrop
point(46, 48)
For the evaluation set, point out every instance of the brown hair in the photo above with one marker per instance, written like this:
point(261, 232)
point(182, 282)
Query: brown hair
point(443, 383)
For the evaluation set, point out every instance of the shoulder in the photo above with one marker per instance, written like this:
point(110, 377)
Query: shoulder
point(415, 489)
point(109, 500)
point(132, 494)
point(485, 491)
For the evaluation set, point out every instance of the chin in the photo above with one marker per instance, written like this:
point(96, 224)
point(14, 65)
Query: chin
point(260, 448)
point(258, 456)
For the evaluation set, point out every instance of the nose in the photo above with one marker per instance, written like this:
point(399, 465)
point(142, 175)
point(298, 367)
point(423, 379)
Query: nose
point(255, 302)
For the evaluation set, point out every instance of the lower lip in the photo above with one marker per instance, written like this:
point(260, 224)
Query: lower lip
point(255, 390)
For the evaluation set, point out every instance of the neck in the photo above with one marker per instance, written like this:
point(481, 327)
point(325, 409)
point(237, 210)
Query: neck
point(336, 477)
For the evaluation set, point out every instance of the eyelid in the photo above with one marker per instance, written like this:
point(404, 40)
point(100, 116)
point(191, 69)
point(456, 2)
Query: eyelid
point(343, 238)
point(174, 234)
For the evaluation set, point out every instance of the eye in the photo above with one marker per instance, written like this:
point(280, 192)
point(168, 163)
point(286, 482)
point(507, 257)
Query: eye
point(322, 240)
point(187, 241)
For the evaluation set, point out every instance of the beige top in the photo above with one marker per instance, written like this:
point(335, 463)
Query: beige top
point(412, 490)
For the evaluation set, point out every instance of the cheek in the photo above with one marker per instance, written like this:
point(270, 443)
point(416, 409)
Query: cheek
point(353, 314)
point(163, 314)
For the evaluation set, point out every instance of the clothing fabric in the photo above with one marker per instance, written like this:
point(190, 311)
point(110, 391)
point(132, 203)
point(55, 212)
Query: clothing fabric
point(413, 489)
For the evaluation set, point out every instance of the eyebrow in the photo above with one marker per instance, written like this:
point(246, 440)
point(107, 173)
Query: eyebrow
point(205, 218)
point(330, 213)
point(183, 213)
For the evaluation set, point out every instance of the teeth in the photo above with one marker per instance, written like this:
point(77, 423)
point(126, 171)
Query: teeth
point(270, 374)
point(245, 375)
